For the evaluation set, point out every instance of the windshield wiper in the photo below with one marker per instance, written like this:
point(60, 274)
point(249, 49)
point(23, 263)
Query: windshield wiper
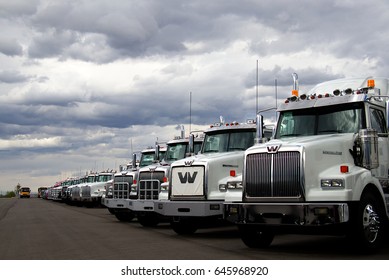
point(211, 151)
point(289, 135)
point(330, 130)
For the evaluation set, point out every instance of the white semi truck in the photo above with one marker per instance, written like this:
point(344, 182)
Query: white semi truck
point(197, 185)
point(92, 192)
point(152, 181)
point(326, 171)
point(124, 184)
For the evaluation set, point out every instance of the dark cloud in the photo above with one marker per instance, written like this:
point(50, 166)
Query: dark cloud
point(63, 63)
point(11, 77)
point(10, 47)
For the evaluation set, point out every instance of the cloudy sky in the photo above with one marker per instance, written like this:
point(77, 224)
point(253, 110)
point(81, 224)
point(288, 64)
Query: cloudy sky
point(82, 83)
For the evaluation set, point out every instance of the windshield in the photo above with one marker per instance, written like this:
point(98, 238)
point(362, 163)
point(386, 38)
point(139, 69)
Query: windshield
point(91, 179)
point(228, 140)
point(197, 147)
point(105, 178)
point(176, 151)
point(146, 159)
point(345, 118)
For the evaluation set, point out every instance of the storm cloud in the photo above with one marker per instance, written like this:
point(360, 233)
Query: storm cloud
point(85, 83)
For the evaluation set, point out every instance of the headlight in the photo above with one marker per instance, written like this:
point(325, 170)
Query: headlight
point(332, 183)
point(165, 186)
point(234, 185)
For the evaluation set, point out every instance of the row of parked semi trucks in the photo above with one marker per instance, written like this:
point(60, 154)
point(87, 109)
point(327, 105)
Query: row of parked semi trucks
point(325, 170)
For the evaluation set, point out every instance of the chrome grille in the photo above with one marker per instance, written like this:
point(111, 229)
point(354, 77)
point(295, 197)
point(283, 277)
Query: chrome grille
point(273, 175)
point(85, 191)
point(149, 189)
point(149, 185)
point(122, 186)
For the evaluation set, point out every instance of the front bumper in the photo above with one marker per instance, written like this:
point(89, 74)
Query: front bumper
point(189, 208)
point(115, 203)
point(290, 214)
point(141, 205)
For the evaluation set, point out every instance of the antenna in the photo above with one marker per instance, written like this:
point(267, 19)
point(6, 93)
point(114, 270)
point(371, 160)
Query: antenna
point(256, 99)
point(190, 112)
point(275, 88)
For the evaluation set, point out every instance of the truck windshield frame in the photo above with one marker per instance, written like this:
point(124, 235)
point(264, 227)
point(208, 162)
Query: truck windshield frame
point(228, 141)
point(343, 118)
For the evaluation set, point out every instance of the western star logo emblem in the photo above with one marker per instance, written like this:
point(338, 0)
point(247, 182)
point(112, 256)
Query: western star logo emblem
point(189, 162)
point(187, 177)
point(273, 149)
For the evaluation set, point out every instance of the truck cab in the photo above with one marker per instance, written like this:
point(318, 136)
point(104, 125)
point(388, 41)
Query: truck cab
point(197, 185)
point(92, 192)
point(124, 184)
point(325, 171)
point(152, 183)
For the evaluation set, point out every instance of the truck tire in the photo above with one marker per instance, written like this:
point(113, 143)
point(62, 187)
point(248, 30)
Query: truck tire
point(124, 216)
point(148, 220)
point(255, 237)
point(184, 226)
point(368, 225)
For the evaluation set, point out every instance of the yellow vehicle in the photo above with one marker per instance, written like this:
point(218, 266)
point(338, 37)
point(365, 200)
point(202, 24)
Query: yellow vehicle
point(24, 192)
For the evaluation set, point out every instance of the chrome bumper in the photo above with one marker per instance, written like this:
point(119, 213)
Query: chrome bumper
point(298, 214)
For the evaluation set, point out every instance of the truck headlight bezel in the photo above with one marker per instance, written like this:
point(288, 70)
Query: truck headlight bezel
point(330, 184)
point(234, 185)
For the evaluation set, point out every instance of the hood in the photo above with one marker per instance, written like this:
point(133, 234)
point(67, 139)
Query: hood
point(321, 155)
point(204, 158)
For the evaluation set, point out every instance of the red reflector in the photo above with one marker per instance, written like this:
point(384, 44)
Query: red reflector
point(343, 169)
point(232, 173)
point(164, 179)
point(134, 181)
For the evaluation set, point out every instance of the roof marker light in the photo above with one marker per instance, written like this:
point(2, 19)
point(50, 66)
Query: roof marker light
point(371, 83)
point(336, 92)
point(303, 97)
point(293, 98)
point(348, 91)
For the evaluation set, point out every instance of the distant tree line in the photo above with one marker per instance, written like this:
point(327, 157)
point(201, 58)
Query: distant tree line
point(7, 194)
point(10, 194)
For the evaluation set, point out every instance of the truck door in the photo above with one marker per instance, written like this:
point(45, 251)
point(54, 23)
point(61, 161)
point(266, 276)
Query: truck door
point(377, 121)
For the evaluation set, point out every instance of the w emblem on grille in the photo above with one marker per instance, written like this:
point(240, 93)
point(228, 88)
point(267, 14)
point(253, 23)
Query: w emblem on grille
point(187, 178)
point(273, 149)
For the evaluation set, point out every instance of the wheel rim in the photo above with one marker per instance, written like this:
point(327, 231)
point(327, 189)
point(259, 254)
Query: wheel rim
point(370, 223)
